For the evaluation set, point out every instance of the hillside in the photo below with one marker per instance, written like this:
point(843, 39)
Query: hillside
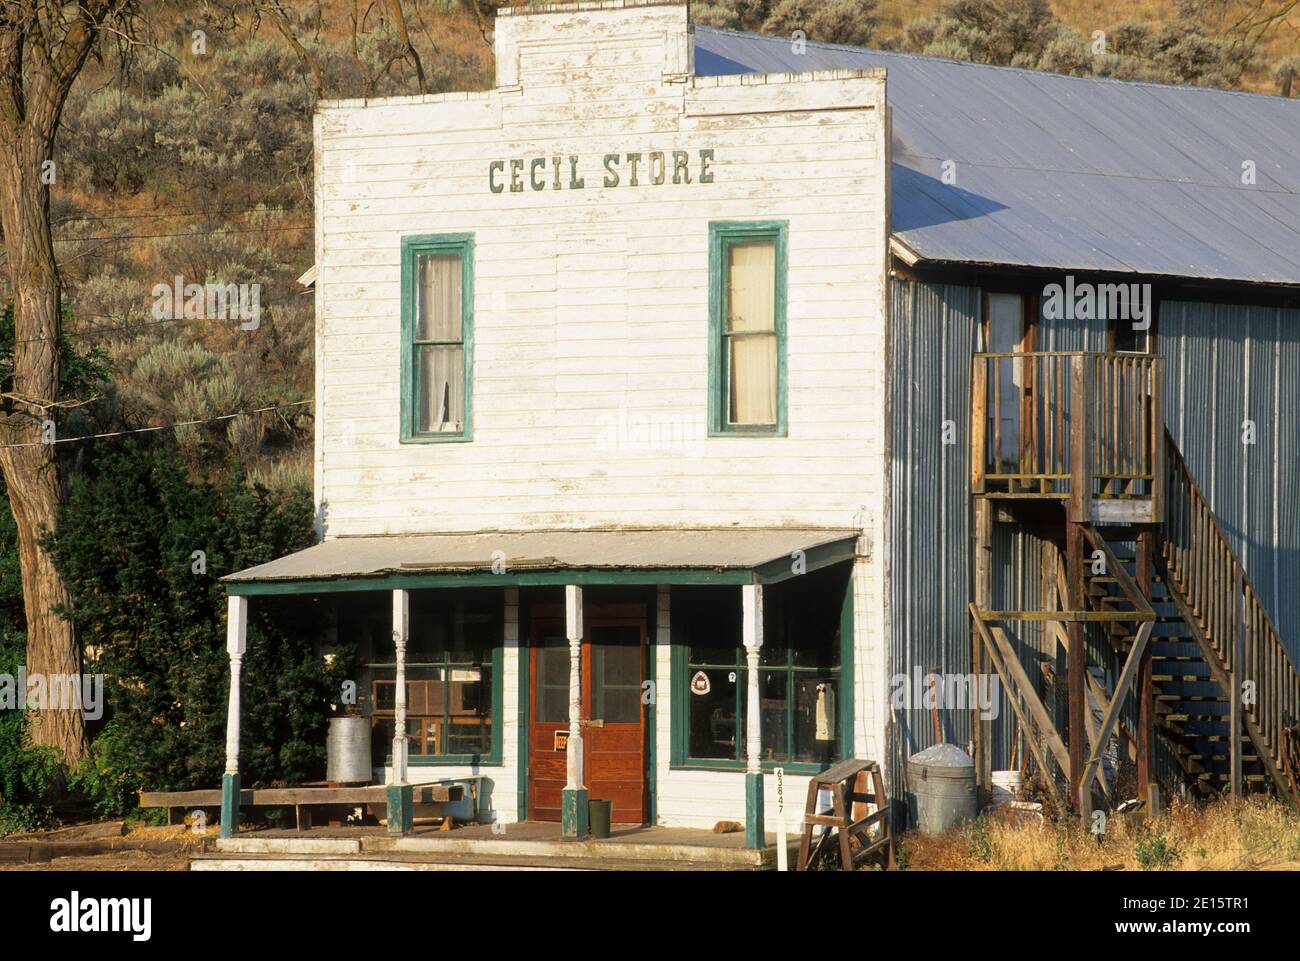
point(187, 153)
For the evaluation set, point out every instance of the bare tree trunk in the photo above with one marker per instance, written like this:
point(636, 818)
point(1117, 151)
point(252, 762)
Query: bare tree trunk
point(30, 470)
point(43, 47)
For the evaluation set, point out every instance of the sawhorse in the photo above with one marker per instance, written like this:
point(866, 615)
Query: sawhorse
point(843, 781)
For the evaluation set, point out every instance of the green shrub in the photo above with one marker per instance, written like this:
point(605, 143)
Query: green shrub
point(155, 624)
point(1156, 851)
point(981, 844)
point(105, 777)
point(30, 778)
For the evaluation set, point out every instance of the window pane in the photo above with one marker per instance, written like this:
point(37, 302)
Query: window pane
point(469, 718)
point(616, 677)
point(707, 619)
point(753, 379)
point(381, 738)
point(439, 315)
point(442, 389)
point(772, 693)
point(816, 718)
point(751, 328)
point(1006, 328)
point(751, 286)
point(553, 683)
point(714, 727)
point(460, 626)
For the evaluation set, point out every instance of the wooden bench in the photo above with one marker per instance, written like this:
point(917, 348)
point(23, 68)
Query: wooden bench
point(301, 799)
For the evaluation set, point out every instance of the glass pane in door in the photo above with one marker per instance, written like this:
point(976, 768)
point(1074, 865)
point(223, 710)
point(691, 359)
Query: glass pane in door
point(553, 680)
point(1006, 328)
point(616, 674)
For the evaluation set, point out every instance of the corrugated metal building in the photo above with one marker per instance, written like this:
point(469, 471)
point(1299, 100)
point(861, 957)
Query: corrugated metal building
point(1005, 181)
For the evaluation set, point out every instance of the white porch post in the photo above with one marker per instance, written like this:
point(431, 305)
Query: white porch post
point(574, 803)
point(751, 598)
point(401, 630)
point(236, 645)
point(400, 799)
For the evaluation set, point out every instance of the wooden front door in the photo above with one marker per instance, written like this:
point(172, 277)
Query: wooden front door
point(614, 729)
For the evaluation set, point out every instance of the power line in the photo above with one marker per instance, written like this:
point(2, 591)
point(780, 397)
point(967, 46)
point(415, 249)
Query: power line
point(162, 212)
point(148, 430)
point(200, 233)
point(147, 325)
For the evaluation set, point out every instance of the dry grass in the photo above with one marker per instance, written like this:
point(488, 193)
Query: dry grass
point(184, 835)
point(1255, 834)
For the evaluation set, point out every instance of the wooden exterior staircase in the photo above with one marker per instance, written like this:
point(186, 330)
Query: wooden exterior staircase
point(1137, 570)
point(1227, 669)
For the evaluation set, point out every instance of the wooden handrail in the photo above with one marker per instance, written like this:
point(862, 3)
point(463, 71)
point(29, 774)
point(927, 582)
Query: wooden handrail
point(1072, 424)
point(1210, 585)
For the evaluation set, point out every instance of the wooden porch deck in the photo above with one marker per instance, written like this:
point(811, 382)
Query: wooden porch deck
point(525, 845)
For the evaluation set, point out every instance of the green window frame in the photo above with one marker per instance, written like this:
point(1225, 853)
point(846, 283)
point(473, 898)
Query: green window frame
point(413, 248)
point(425, 721)
point(723, 237)
point(683, 668)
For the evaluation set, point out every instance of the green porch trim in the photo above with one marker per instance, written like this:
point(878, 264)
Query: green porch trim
point(815, 558)
point(722, 234)
point(525, 714)
point(401, 808)
point(230, 798)
point(573, 813)
point(412, 248)
point(847, 649)
point(415, 582)
point(755, 837)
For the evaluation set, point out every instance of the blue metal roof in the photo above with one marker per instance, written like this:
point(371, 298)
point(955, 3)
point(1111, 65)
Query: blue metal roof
point(1074, 173)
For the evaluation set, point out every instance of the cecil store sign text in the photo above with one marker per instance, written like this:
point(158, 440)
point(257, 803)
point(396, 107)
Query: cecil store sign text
point(626, 169)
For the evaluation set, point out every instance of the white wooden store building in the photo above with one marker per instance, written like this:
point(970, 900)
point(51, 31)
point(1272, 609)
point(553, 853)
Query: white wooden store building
point(599, 453)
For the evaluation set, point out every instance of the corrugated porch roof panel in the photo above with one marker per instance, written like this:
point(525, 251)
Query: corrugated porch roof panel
point(693, 549)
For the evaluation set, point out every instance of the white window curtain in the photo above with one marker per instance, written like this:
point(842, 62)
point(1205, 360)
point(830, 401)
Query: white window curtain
point(751, 332)
point(439, 339)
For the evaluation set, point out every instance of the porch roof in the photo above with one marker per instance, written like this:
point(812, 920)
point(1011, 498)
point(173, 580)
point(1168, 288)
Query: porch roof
point(660, 555)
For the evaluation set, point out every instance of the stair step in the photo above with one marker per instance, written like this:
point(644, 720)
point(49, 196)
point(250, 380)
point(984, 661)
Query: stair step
point(1186, 689)
point(1174, 649)
point(1167, 671)
point(1206, 709)
point(1216, 727)
point(1172, 695)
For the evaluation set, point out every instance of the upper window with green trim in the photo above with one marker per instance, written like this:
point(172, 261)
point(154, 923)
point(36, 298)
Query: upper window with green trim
point(437, 337)
point(747, 284)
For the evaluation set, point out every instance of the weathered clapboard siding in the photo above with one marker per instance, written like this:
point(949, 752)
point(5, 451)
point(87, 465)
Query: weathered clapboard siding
point(590, 378)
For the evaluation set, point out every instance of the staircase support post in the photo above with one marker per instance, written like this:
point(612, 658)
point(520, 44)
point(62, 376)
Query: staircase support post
point(1237, 618)
point(1146, 692)
point(980, 662)
point(1077, 661)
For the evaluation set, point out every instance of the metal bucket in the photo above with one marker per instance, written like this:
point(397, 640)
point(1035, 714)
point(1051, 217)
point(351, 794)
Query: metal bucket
point(942, 781)
point(347, 751)
point(598, 817)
